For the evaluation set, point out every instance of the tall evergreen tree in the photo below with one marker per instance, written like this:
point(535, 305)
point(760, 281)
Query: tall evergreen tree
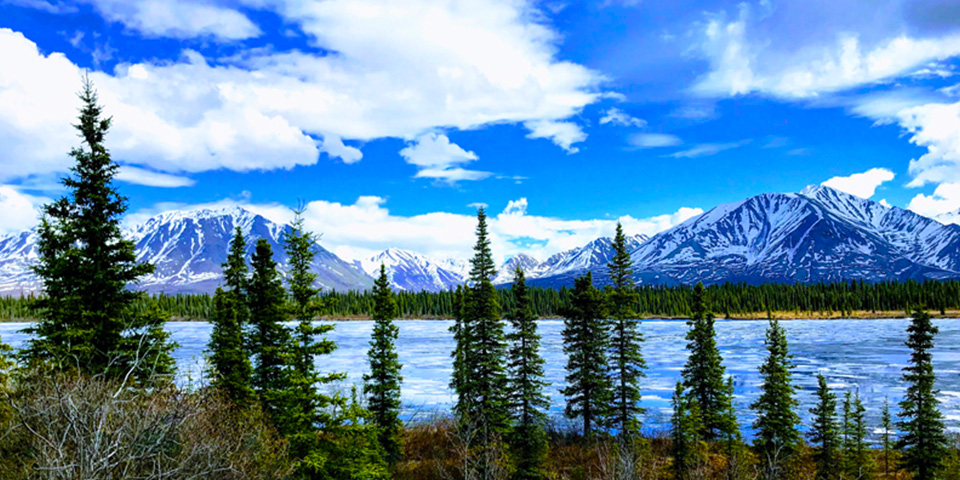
point(86, 265)
point(687, 447)
point(585, 341)
point(269, 337)
point(857, 460)
point(486, 382)
point(382, 384)
point(776, 421)
point(887, 425)
point(704, 373)
point(824, 431)
point(462, 344)
point(235, 271)
point(228, 366)
point(299, 244)
point(923, 440)
point(528, 440)
point(627, 364)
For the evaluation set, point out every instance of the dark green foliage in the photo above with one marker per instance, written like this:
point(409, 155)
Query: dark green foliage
point(348, 448)
point(527, 440)
point(86, 320)
point(462, 343)
point(485, 386)
point(687, 447)
point(857, 461)
point(823, 432)
point(703, 374)
point(235, 269)
point(228, 365)
point(626, 358)
point(887, 426)
point(382, 384)
point(776, 421)
point(269, 338)
point(585, 341)
point(298, 243)
point(923, 440)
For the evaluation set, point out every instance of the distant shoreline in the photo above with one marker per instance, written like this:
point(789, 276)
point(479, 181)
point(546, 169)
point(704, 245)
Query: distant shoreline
point(855, 315)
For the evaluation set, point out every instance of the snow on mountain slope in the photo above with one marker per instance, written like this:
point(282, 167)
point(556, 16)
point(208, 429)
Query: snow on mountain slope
point(528, 264)
point(187, 248)
point(413, 272)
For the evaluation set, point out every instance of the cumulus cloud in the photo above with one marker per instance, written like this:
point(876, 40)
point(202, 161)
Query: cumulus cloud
point(367, 226)
point(863, 185)
point(615, 116)
point(945, 199)
point(708, 149)
point(396, 69)
point(936, 127)
point(20, 210)
point(564, 134)
point(438, 158)
point(758, 50)
point(654, 140)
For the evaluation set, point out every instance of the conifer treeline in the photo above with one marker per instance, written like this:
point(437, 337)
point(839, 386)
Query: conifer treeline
point(650, 301)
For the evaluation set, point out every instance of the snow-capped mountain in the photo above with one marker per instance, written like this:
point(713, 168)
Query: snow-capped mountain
point(528, 264)
point(818, 234)
point(187, 248)
point(563, 267)
point(414, 272)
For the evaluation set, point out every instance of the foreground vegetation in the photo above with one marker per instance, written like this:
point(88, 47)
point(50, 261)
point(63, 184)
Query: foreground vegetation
point(91, 394)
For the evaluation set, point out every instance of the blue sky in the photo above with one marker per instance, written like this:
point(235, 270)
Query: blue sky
point(394, 120)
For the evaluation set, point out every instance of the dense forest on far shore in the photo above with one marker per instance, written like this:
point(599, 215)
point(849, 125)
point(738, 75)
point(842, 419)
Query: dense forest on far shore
point(823, 300)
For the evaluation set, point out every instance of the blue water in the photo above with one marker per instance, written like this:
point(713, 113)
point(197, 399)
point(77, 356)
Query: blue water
point(864, 354)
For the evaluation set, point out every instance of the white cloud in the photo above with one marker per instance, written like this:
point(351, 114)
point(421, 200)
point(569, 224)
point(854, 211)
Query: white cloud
point(615, 116)
point(20, 210)
point(564, 134)
point(945, 199)
point(863, 185)
point(936, 127)
point(436, 157)
point(149, 178)
point(751, 54)
point(366, 227)
point(707, 149)
point(177, 18)
point(396, 69)
point(654, 140)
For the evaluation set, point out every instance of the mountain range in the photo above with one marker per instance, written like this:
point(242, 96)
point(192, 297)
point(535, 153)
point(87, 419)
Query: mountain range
point(818, 234)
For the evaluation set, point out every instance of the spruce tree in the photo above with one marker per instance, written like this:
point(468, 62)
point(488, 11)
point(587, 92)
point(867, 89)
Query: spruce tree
point(527, 439)
point(269, 337)
point(703, 374)
point(776, 422)
point(382, 384)
point(585, 341)
point(299, 244)
point(459, 382)
point(235, 271)
point(687, 447)
point(886, 424)
point(824, 431)
point(857, 460)
point(923, 440)
point(87, 320)
point(228, 365)
point(626, 358)
point(486, 381)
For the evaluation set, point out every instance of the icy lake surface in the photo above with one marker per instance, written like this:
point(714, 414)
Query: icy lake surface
point(864, 354)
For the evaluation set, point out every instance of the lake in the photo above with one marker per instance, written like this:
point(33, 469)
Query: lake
point(864, 354)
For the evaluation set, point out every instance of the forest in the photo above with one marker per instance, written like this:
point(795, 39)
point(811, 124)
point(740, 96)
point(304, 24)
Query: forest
point(853, 299)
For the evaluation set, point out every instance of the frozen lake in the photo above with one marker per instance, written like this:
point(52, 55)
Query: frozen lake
point(864, 354)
